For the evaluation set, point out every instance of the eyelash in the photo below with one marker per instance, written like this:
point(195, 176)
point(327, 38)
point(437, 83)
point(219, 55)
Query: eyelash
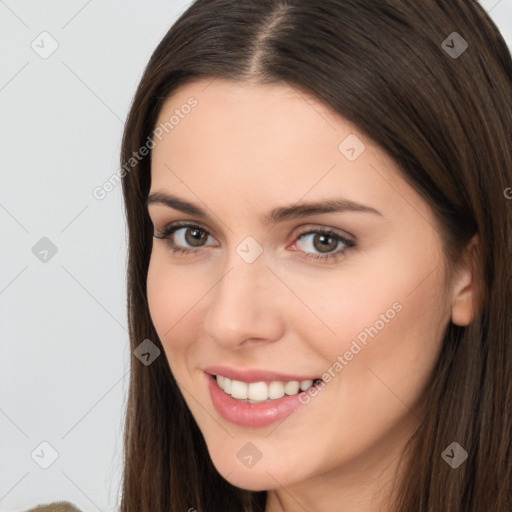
point(171, 228)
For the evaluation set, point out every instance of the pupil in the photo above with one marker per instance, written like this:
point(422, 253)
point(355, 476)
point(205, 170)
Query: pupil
point(324, 245)
point(198, 236)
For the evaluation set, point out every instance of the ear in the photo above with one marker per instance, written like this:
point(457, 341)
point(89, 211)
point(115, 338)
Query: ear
point(464, 288)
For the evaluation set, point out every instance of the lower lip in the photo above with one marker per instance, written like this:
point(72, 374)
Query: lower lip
point(246, 414)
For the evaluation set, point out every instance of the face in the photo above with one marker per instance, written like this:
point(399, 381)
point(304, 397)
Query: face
point(357, 297)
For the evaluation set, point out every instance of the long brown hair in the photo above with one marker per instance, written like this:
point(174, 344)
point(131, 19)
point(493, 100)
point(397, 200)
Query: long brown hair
point(446, 119)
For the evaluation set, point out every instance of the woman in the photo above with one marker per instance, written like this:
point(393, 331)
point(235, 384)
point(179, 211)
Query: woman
point(319, 260)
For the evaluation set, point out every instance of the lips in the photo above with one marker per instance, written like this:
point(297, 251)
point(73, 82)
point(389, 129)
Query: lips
point(250, 415)
point(255, 375)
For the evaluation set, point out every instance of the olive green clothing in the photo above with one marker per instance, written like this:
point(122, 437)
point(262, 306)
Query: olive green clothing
point(56, 506)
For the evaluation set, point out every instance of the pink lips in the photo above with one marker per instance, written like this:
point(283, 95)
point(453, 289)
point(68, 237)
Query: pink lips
point(244, 413)
point(255, 375)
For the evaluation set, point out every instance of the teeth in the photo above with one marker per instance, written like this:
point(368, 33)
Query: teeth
point(291, 388)
point(257, 392)
point(239, 389)
point(276, 390)
point(306, 384)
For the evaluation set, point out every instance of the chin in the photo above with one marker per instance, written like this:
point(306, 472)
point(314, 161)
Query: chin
point(251, 481)
point(260, 477)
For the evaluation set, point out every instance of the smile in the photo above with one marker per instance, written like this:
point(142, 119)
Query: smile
point(258, 392)
point(237, 406)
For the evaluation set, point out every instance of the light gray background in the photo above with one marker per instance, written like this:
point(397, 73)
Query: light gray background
point(64, 343)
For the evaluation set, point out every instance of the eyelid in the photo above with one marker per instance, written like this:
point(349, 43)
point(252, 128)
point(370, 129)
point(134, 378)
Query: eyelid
point(297, 231)
point(301, 231)
point(179, 224)
point(323, 258)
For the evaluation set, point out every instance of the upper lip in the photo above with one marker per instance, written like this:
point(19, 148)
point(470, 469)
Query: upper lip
point(255, 375)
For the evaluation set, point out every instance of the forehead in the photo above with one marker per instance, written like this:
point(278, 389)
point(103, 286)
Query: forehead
point(269, 144)
point(240, 122)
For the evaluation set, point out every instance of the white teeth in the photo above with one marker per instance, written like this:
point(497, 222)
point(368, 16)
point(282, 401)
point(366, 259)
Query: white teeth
point(276, 390)
point(257, 392)
point(291, 388)
point(239, 389)
point(306, 384)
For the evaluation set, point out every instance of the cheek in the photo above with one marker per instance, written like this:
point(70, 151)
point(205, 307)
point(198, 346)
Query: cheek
point(388, 336)
point(379, 365)
point(389, 312)
point(172, 295)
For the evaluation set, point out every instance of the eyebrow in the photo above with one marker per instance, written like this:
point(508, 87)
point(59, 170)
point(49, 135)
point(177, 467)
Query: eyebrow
point(275, 215)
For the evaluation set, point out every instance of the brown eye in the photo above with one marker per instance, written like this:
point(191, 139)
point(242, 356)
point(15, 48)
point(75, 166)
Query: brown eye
point(195, 236)
point(192, 238)
point(325, 244)
point(184, 237)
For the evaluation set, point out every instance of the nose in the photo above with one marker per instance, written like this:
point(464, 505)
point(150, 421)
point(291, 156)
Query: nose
point(247, 304)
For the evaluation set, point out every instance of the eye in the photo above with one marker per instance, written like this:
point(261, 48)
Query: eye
point(324, 241)
point(193, 236)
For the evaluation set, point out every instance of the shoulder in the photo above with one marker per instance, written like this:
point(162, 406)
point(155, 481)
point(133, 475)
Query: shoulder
point(56, 506)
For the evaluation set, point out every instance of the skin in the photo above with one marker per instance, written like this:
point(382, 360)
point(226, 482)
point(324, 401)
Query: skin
point(243, 150)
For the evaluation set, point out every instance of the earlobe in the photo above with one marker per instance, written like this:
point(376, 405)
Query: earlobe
point(464, 289)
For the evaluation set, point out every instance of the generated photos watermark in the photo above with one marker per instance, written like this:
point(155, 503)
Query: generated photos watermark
point(342, 360)
point(100, 192)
